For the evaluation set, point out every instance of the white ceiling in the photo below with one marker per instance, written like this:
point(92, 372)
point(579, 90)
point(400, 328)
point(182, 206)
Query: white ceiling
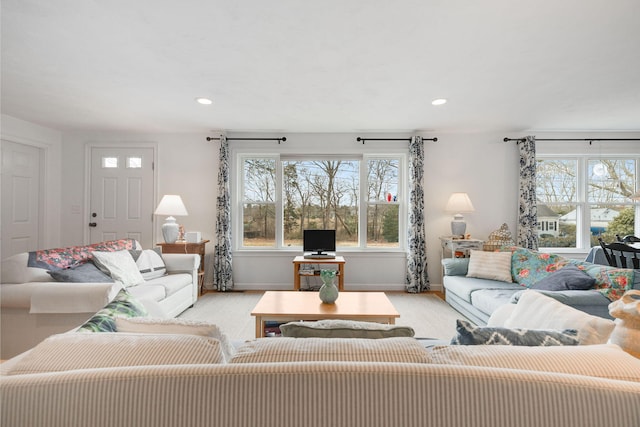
point(322, 65)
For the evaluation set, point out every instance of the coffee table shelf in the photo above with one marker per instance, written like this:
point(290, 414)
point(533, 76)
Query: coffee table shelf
point(289, 306)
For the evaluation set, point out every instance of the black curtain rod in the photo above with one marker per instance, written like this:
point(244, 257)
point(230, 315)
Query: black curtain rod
point(283, 139)
point(393, 139)
point(573, 139)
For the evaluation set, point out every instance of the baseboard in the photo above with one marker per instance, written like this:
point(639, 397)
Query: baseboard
point(348, 287)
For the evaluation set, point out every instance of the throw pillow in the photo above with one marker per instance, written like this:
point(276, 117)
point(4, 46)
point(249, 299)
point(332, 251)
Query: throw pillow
point(568, 277)
point(537, 311)
point(120, 266)
point(490, 265)
point(336, 328)
point(604, 360)
point(104, 320)
point(83, 273)
point(455, 266)
point(468, 334)
point(528, 267)
point(149, 325)
point(149, 262)
point(66, 352)
point(612, 282)
point(272, 350)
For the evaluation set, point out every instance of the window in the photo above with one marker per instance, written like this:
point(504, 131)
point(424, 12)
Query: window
point(583, 198)
point(358, 196)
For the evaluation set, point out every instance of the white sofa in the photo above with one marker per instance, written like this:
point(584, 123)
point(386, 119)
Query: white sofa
point(315, 382)
point(35, 306)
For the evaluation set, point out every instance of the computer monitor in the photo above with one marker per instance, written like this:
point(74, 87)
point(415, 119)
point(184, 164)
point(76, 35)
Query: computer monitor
point(319, 241)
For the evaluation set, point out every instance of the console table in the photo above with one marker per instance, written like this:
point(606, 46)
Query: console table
point(299, 260)
point(459, 245)
point(188, 248)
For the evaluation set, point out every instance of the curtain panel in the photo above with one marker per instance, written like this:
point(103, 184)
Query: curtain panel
point(527, 205)
point(223, 265)
point(417, 279)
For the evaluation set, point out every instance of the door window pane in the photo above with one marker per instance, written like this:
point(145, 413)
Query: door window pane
point(109, 162)
point(134, 162)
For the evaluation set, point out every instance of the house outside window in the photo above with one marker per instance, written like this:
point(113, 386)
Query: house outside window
point(361, 197)
point(581, 198)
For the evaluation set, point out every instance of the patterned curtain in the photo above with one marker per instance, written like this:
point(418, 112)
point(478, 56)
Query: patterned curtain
point(527, 207)
point(417, 277)
point(223, 271)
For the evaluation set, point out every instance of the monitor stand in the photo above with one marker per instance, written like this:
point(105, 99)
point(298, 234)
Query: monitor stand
point(319, 255)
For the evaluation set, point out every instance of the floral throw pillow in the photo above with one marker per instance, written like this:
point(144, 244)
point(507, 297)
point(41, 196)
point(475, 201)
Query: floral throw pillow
point(612, 282)
point(529, 267)
point(123, 305)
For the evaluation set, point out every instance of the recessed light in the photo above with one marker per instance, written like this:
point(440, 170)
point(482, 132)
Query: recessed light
point(204, 101)
point(439, 101)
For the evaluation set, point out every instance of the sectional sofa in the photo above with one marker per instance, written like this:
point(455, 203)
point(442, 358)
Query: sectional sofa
point(496, 283)
point(36, 303)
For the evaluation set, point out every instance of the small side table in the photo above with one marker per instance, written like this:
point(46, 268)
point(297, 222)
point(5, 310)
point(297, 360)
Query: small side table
point(188, 248)
point(459, 245)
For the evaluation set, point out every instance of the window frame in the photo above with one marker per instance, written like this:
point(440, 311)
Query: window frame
point(237, 197)
point(582, 203)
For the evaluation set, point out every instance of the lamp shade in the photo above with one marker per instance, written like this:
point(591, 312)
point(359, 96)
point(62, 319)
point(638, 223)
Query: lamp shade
point(171, 204)
point(459, 203)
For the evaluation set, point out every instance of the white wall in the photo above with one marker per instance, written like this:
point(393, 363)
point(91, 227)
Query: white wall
point(480, 164)
point(50, 142)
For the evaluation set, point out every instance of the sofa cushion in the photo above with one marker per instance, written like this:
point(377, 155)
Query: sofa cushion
point(469, 334)
point(124, 304)
point(149, 325)
point(337, 328)
point(537, 311)
point(603, 360)
point(148, 292)
point(172, 283)
point(590, 301)
point(489, 300)
point(120, 266)
point(14, 269)
point(464, 286)
point(83, 273)
point(282, 349)
point(490, 265)
point(568, 277)
point(149, 262)
point(70, 351)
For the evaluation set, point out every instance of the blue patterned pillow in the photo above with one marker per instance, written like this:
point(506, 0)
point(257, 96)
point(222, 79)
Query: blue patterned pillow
point(123, 305)
point(468, 334)
point(529, 267)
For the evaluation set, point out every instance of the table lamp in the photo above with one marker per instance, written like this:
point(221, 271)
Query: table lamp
point(459, 203)
point(171, 204)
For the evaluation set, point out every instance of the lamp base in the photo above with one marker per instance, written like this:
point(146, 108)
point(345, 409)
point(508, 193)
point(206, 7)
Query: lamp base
point(170, 230)
point(458, 226)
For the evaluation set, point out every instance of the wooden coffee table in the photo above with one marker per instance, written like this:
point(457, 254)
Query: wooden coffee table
point(288, 306)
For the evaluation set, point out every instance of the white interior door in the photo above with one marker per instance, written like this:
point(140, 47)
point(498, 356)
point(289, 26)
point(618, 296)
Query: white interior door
point(121, 194)
point(21, 198)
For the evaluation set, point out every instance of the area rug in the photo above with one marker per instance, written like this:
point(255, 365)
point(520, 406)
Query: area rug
point(426, 313)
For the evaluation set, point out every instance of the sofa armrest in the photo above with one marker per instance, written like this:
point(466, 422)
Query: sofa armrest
point(455, 266)
point(181, 263)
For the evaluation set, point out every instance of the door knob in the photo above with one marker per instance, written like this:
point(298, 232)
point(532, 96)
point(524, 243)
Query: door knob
point(92, 224)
